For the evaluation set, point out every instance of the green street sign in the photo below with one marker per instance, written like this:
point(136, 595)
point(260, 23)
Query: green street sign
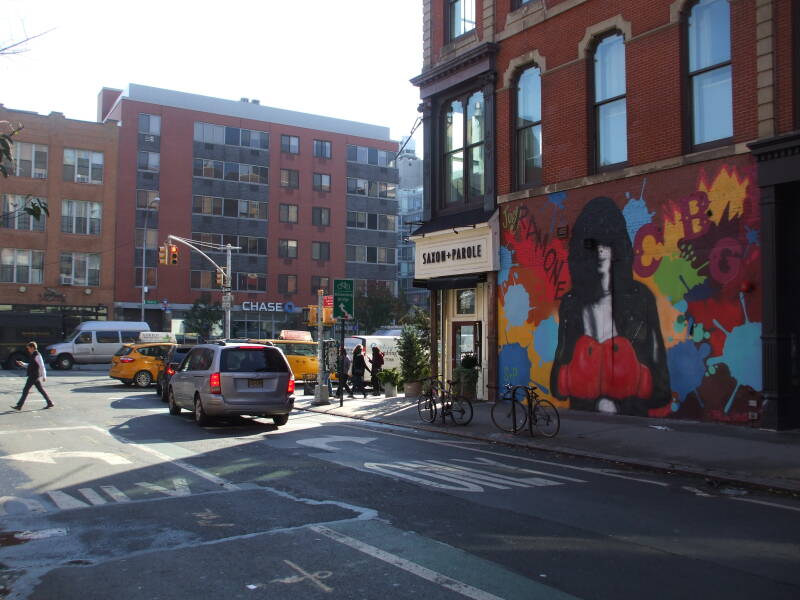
point(152, 301)
point(343, 299)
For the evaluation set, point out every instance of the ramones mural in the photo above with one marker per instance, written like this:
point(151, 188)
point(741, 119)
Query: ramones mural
point(643, 302)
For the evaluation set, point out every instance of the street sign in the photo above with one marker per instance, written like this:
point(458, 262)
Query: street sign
point(152, 301)
point(226, 301)
point(343, 299)
point(327, 301)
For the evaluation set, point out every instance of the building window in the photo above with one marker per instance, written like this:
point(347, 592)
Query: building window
point(230, 171)
point(364, 187)
point(246, 244)
point(21, 266)
point(290, 144)
point(465, 302)
point(290, 178)
point(288, 213)
point(152, 238)
point(15, 217)
point(463, 160)
point(320, 216)
point(322, 149)
point(29, 160)
point(229, 207)
point(207, 280)
point(610, 113)
point(287, 248)
point(151, 275)
point(320, 250)
point(287, 284)
point(370, 156)
point(517, 3)
point(81, 217)
point(79, 268)
point(149, 161)
point(377, 221)
point(710, 78)
point(320, 283)
point(83, 166)
point(529, 127)
point(145, 199)
point(370, 254)
point(149, 124)
point(461, 17)
point(322, 182)
point(208, 133)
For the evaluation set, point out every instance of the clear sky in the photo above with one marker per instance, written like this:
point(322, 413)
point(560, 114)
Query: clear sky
point(350, 59)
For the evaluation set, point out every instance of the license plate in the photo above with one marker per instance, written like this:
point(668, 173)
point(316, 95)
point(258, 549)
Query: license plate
point(255, 383)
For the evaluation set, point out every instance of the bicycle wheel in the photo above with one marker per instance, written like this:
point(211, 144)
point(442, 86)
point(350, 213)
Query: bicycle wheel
point(426, 407)
point(461, 410)
point(507, 412)
point(545, 418)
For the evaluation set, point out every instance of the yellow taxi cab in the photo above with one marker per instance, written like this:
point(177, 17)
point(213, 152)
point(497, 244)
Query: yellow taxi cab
point(302, 357)
point(139, 363)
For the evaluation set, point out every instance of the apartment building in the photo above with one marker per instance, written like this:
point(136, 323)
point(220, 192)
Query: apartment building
point(61, 264)
point(637, 164)
point(306, 199)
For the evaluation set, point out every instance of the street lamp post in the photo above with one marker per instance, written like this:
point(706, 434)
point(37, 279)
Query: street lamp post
point(152, 204)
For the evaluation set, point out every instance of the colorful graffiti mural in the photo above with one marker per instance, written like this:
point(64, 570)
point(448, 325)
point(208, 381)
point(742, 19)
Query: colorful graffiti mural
point(637, 305)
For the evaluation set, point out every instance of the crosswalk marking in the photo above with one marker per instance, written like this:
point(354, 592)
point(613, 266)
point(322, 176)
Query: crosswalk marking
point(64, 501)
point(180, 484)
point(92, 496)
point(114, 493)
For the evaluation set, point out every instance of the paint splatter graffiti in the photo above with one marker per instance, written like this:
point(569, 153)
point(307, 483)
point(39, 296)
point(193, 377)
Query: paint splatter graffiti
point(639, 299)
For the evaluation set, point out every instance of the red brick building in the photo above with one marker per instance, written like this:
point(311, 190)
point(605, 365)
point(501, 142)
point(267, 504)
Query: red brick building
point(639, 237)
point(61, 264)
point(307, 198)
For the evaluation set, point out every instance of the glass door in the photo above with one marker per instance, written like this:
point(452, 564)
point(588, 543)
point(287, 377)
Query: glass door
point(466, 341)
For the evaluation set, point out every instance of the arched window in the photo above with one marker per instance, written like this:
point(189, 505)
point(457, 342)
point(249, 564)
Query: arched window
point(610, 111)
point(710, 82)
point(463, 151)
point(529, 127)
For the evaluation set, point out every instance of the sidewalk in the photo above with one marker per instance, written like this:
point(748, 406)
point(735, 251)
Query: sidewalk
point(724, 453)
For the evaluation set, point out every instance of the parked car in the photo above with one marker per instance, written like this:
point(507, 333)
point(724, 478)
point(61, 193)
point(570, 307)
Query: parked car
point(139, 363)
point(93, 342)
point(225, 379)
point(172, 361)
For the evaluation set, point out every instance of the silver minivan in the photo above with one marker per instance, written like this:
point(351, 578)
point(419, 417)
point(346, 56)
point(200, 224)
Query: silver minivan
point(225, 379)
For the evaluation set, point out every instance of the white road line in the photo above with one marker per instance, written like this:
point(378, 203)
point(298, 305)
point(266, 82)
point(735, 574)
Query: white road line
point(92, 496)
point(42, 534)
point(534, 460)
point(115, 494)
point(765, 503)
point(64, 501)
point(406, 565)
point(181, 488)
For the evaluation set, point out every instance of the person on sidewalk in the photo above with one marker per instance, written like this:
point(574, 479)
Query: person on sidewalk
point(341, 374)
point(359, 367)
point(36, 376)
point(377, 366)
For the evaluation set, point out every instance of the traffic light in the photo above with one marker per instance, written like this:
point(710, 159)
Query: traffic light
point(220, 278)
point(310, 314)
point(173, 254)
point(162, 255)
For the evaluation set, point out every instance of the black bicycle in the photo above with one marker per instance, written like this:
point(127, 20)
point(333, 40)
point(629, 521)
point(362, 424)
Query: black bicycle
point(520, 405)
point(438, 398)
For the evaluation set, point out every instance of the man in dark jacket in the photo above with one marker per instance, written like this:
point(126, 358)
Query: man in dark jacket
point(36, 376)
point(359, 367)
point(342, 373)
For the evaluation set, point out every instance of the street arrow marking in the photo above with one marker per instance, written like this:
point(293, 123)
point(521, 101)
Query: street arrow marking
point(324, 443)
point(48, 456)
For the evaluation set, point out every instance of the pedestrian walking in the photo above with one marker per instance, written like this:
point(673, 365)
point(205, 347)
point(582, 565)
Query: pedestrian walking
point(341, 374)
point(36, 376)
point(377, 367)
point(359, 367)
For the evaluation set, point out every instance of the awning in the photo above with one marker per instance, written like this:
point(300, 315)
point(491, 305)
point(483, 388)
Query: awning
point(450, 283)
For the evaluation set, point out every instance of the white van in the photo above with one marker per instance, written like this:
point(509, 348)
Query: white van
point(386, 343)
point(93, 342)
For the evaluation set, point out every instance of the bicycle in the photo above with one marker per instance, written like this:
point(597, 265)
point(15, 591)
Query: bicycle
point(436, 399)
point(521, 405)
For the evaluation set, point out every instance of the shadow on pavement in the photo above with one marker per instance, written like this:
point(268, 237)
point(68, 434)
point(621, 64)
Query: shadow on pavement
point(142, 429)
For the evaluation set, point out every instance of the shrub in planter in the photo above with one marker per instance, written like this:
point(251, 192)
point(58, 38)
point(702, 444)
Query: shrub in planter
point(414, 360)
point(391, 376)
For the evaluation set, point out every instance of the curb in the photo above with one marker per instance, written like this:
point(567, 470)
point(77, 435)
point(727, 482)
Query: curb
point(720, 477)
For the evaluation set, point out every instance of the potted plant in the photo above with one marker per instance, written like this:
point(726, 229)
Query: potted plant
point(414, 360)
point(467, 376)
point(390, 381)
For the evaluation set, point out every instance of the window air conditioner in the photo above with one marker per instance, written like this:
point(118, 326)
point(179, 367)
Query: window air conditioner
point(66, 280)
point(150, 138)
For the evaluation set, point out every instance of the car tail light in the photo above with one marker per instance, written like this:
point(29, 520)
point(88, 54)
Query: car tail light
point(170, 371)
point(215, 383)
point(53, 351)
point(126, 359)
point(290, 386)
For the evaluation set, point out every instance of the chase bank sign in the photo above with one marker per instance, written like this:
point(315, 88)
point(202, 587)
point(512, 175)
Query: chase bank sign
point(288, 307)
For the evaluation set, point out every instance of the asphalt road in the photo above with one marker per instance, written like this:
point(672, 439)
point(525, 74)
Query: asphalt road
point(108, 496)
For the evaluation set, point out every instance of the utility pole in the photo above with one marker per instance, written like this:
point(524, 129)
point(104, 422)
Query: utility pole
point(321, 396)
point(227, 297)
